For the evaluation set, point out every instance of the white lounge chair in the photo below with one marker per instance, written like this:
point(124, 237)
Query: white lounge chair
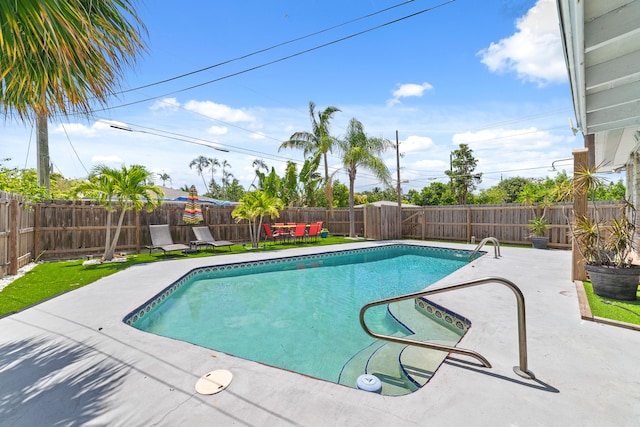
point(161, 239)
point(204, 238)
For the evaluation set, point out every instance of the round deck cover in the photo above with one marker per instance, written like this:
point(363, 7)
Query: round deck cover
point(214, 381)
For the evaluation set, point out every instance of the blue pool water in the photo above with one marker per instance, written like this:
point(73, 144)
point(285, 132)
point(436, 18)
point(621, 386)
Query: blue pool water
point(299, 314)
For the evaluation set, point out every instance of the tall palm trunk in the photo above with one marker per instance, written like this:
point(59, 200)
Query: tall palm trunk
point(328, 191)
point(107, 237)
point(43, 150)
point(111, 245)
point(352, 210)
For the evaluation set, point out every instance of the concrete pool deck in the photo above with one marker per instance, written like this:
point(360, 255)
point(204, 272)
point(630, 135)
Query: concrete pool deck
point(72, 361)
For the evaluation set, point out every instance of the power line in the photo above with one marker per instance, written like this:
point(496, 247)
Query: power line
point(248, 55)
point(199, 141)
point(281, 59)
point(74, 149)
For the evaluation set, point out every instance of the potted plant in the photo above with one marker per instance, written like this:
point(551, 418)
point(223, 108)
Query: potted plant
point(324, 233)
point(538, 227)
point(606, 245)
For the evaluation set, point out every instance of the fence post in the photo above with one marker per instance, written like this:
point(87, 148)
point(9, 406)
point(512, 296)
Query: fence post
point(36, 231)
point(468, 224)
point(14, 230)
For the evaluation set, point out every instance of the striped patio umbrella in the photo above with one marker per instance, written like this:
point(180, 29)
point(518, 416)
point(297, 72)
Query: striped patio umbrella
point(192, 210)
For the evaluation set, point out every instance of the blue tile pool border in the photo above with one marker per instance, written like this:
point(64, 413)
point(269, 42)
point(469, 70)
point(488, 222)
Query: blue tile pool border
point(145, 308)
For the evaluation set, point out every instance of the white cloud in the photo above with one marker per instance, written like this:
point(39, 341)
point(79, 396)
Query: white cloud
point(217, 130)
point(79, 129)
point(513, 152)
point(257, 135)
point(218, 111)
point(416, 143)
point(534, 52)
point(106, 124)
point(107, 159)
point(171, 104)
point(407, 90)
point(427, 164)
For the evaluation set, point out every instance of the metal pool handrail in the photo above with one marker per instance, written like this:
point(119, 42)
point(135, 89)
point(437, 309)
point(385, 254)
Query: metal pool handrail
point(496, 247)
point(521, 369)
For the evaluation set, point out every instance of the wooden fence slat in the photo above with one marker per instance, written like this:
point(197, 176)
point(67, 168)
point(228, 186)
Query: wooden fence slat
point(72, 229)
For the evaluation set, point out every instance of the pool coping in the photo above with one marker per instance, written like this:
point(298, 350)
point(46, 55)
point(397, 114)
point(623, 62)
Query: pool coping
point(71, 360)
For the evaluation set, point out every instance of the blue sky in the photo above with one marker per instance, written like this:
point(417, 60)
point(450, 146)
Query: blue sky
point(487, 73)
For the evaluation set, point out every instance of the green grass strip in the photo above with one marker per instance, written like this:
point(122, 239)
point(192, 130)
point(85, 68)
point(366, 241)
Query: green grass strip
point(622, 311)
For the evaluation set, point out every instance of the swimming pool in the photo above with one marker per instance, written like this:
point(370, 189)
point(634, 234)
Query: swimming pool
point(298, 313)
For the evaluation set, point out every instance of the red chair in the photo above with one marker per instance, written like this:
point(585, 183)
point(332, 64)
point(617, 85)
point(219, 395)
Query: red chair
point(314, 231)
point(299, 232)
point(268, 234)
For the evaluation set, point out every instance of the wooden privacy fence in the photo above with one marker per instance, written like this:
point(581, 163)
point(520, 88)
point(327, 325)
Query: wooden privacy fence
point(507, 223)
point(74, 229)
point(16, 233)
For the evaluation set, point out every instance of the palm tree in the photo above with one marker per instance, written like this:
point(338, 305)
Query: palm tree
point(318, 142)
point(258, 164)
point(213, 163)
point(226, 176)
point(253, 207)
point(359, 150)
point(164, 177)
point(59, 56)
point(201, 163)
point(310, 180)
point(124, 188)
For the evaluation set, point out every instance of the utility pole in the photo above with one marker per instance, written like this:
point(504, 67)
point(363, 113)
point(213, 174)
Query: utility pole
point(398, 166)
point(399, 236)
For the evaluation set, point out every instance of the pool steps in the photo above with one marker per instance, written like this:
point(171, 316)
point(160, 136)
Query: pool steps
point(403, 369)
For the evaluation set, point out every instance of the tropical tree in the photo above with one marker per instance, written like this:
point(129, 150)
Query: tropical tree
point(213, 163)
point(359, 150)
point(289, 185)
point(511, 188)
point(201, 164)
point(124, 188)
point(316, 143)
point(226, 177)
point(310, 181)
point(435, 194)
point(234, 191)
point(259, 165)
point(253, 207)
point(270, 183)
point(341, 195)
point(25, 183)
point(58, 56)
point(463, 180)
point(493, 196)
point(164, 177)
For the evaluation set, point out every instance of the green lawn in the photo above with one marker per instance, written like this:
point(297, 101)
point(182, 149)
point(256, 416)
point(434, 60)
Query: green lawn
point(622, 311)
point(50, 279)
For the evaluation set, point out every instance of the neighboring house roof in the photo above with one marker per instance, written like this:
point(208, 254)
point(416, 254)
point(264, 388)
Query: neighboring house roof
point(174, 195)
point(602, 49)
point(387, 203)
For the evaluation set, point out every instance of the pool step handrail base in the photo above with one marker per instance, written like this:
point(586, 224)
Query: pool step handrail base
point(522, 369)
point(496, 247)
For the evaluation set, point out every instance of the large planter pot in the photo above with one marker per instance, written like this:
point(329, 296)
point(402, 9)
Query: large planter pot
point(539, 242)
point(614, 282)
